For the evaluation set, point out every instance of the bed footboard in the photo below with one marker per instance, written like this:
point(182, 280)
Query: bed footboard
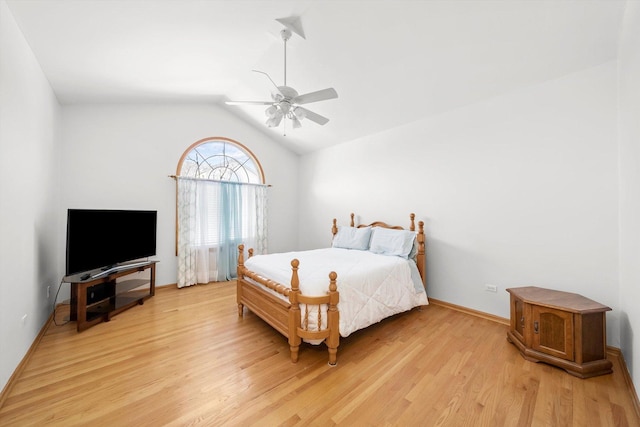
point(284, 313)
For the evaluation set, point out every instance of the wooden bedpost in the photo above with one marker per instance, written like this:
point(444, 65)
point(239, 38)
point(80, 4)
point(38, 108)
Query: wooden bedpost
point(421, 257)
point(250, 252)
point(412, 227)
point(352, 223)
point(333, 320)
point(240, 276)
point(294, 312)
point(240, 259)
point(334, 229)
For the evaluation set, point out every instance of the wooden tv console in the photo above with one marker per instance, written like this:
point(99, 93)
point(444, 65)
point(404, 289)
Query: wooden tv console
point(560, 328)
point(101, 296)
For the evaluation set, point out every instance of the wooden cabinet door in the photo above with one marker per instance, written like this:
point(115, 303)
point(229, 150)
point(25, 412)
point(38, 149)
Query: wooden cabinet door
point(517, 318)
point(552, 332)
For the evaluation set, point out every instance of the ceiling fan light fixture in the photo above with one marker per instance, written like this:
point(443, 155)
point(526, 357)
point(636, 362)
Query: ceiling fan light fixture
point(271, 122)
point(275, 120)
point(285, 107)
point(271, 111)
point(296, 123)
point(299, 112)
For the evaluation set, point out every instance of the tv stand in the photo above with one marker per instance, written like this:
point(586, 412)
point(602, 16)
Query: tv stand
point(117, 267)
point(101, 296)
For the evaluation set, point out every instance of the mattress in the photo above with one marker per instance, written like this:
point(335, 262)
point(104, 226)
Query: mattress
point(371, 286)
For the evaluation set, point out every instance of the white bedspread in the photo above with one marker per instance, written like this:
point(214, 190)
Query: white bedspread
point(372, 287)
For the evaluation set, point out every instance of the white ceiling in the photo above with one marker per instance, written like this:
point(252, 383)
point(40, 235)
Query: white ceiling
point(392, 62)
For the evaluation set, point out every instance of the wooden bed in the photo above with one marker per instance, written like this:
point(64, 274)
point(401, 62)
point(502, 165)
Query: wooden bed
point(284, 314)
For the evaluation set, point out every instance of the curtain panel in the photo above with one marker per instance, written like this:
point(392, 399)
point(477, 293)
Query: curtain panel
point(214, 217)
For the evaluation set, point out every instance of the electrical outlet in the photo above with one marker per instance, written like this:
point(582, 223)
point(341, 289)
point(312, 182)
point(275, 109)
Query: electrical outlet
point(491, 288)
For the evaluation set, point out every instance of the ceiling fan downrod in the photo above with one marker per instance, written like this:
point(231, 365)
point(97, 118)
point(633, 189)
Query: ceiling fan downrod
point(285, 33)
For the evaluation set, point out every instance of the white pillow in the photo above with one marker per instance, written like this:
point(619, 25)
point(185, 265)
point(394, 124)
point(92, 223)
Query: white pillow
point(387, 241)
point(352, 238)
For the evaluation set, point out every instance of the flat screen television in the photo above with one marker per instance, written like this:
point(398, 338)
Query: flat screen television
point(105, 238)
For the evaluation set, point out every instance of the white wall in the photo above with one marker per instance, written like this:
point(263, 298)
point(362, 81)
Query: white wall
point(29, 196)
point(120, 156)
point(629, 93)
point(518, 190)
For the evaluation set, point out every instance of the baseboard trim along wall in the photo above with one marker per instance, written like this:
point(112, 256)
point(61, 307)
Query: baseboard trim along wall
point(470, 311)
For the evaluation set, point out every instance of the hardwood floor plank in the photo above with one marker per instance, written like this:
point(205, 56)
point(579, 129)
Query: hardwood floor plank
point(186, 358)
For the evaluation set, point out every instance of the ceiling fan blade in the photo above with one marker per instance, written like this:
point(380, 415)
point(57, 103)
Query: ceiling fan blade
point(248, 102)
point(270, 79)
point(314, 117)
point(320, 95)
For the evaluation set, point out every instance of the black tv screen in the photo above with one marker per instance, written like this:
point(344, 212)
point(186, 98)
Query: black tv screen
point(104, 238)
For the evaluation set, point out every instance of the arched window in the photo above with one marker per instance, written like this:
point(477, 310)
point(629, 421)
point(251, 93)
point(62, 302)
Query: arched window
point(220, 159)
point(221, 203)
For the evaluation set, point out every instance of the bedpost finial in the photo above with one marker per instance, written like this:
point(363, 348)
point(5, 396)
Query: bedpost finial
point(295, 281)
point(332, 281)
point(240, 260)
point(352, 215)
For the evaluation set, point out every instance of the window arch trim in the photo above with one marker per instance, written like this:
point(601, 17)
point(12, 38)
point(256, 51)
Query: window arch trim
point(222, 139)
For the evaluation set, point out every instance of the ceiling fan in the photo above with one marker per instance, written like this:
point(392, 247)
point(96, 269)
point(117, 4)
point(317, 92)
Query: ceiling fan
point(286, 102)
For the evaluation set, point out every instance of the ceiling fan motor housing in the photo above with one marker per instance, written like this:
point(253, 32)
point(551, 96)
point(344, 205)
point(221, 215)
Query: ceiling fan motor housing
point(286, 93)
point(283, 97)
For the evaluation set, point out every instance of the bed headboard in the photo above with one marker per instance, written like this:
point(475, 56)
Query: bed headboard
point(421, 257)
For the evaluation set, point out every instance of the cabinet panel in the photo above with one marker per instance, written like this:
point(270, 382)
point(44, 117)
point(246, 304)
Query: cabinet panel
point(517, 318)
point(592, 333)
point(553, 332)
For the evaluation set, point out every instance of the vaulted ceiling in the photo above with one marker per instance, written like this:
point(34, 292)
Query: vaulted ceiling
point(391, 61)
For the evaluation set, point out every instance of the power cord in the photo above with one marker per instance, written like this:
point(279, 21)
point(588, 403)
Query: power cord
point(55, 307)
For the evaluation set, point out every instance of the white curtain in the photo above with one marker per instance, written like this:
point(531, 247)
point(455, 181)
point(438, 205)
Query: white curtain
point(214, 217)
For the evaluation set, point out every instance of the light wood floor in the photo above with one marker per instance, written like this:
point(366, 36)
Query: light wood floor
point(185, 358)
